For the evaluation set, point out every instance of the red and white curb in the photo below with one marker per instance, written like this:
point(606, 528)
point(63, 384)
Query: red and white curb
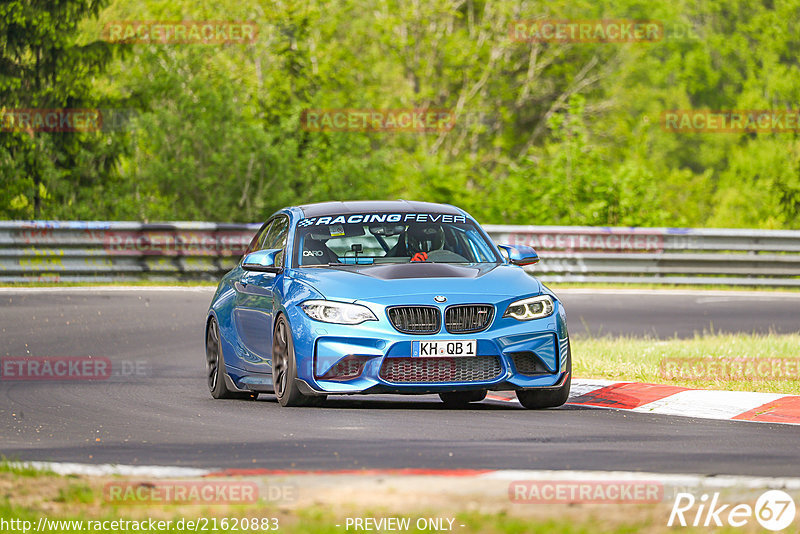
point(676, 479)
point(685, 402)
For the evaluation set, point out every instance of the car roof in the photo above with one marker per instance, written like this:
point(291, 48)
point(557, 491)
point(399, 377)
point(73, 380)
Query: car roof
point(376, 206)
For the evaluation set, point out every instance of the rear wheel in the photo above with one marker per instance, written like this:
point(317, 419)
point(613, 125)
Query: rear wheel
point(537, 399)
point(460, 399)
point(284, 369)
point(215, 367)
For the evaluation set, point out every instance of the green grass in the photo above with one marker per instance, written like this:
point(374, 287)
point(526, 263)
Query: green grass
point(59, 498)
point(78, 492)
point(504, 524)
point(640, 359)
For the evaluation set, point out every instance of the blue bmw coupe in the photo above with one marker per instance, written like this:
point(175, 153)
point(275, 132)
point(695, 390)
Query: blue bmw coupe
point(341, 298)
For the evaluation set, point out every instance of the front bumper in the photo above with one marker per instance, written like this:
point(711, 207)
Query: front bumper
point(512, 355)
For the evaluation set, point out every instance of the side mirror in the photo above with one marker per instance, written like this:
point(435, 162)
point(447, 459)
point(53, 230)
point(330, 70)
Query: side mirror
point(521, 254)
point(262, 261)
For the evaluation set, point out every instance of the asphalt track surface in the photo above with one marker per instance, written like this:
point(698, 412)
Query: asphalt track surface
point(159, 412)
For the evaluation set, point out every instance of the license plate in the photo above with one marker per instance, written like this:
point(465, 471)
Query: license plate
point(431, 349)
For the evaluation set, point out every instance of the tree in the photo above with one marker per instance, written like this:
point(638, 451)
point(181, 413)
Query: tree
point(44, 67)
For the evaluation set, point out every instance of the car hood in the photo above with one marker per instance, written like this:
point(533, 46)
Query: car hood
point(372, 282)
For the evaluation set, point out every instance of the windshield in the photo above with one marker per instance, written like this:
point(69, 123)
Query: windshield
point(378, 238)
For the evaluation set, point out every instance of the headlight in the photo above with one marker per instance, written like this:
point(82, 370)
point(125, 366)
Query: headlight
point(530, 308)
point(329, 311)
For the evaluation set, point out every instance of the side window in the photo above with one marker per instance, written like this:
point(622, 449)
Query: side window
point(258, 238)
point(265, 237)
point(283, 235)
point(273, 238)
point(277, 237)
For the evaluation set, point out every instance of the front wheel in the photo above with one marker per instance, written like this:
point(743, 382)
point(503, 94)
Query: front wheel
point(537, 399)
point(284, 369)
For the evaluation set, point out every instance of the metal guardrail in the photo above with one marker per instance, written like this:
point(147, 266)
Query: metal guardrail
point(55, 251)
point(659, 255)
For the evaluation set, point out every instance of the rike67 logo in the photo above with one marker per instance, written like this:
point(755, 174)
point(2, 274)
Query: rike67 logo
point(774, 510)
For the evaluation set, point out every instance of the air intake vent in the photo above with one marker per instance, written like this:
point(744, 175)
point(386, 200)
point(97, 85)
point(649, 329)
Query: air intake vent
point(345, 369)
point(527, 363)
point(440, 370)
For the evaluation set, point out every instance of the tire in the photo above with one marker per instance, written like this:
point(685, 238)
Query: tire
point(284, 369)
point(537, 399)
point(215, 367)
point(461, 399)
